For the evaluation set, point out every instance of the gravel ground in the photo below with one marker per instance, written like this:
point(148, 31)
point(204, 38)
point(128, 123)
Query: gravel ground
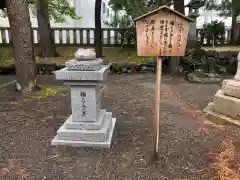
point(188, 148)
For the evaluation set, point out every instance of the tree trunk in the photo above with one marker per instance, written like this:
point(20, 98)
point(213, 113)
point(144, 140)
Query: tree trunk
point(233, 30)
point(98, 29)
point(22, 41)
point(173, 65)
point(115, 18)
point(179, 6)
point(238, 29)
point(235, 12)
point(47, 43)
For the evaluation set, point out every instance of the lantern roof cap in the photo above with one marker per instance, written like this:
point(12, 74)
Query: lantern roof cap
point(195, 3)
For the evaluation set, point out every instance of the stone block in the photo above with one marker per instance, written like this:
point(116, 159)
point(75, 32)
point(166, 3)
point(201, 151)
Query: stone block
point(100, 75)
point(92, 65)
point(231, 88)
point(237, 76)
point(81, 83)
point(70, 124)
point(95, 144)
point(87, 135)
point(218, 118)
point(85, 102)
point(226, 105)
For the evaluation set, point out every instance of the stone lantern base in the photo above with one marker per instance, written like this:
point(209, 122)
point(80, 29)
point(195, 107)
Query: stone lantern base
point(96, 134)
point(88, 125)
point(226, 106)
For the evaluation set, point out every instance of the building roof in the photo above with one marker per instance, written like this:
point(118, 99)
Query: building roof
point(163, 8)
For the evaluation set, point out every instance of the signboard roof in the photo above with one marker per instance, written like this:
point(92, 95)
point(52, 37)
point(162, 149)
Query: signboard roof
point(163, 8)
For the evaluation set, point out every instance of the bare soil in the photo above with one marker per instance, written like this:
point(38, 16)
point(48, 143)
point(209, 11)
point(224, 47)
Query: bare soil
point(190, 147)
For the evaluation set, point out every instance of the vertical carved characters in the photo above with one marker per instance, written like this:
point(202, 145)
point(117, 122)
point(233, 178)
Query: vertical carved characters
point(160, 51)
point(165, 42)
point(145, 22)
point(179, 36)
point(167, 29)
point(83, 101)
point(152, 24)
point(165, 37)
point(170, 46)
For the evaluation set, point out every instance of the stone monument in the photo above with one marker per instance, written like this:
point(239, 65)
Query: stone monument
point(88, 125)
point(226, 105)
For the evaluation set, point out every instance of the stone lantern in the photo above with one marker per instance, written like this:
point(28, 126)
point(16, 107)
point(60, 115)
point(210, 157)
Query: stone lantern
point(194, 6)
point(88, 125)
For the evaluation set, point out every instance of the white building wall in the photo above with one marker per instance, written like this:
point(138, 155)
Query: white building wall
point(84, 8)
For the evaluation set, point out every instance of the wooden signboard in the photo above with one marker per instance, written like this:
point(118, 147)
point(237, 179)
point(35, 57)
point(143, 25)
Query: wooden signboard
point(162, 32)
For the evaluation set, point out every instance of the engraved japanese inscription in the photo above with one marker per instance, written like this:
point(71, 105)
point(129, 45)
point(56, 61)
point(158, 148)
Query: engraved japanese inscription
point(152, 26)
point(83, 105)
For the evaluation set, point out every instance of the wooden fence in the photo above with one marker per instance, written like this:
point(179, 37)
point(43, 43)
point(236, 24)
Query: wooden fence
point(112, 37)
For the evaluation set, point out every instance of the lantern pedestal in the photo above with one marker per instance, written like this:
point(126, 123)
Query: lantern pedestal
point(89, 125)
point(226, 105)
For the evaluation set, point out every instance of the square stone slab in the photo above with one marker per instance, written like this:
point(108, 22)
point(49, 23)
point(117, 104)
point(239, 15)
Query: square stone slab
point(87, 135)
point(104, 144)
point(85, 103)
point(70, 124)
point(100, 75)
point(218, 118)
point(227, 105)
point(231, 87)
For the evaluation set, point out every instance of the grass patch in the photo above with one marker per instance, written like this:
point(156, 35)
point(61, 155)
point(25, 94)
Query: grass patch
point(5, 56)
point(110, 54)
point(47, 91)
point(66, 53)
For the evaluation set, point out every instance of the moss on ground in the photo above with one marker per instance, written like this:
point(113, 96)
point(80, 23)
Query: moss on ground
point(47, 91)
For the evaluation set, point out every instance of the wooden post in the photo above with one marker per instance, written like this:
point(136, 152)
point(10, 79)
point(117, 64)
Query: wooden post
point(157, 105)
point(162, 32)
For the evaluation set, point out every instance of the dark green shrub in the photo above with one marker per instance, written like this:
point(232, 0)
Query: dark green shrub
point(214, 32)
